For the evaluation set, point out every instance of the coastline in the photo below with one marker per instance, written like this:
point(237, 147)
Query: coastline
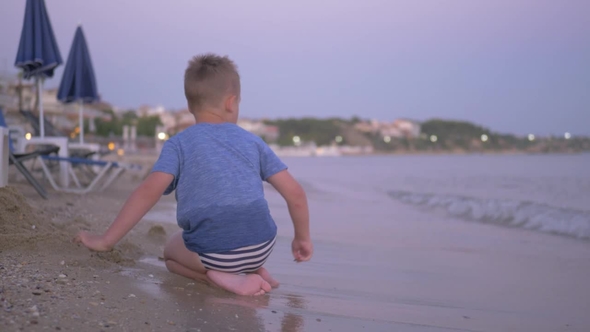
point(49, 283)
point(443, 153)
point(398, 268)
point(464, 153)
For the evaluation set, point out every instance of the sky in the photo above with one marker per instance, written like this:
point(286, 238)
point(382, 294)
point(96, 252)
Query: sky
point(514, 66)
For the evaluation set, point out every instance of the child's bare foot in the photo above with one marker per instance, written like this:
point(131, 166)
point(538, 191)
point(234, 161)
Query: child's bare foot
point(266, 276)
point(250, 284)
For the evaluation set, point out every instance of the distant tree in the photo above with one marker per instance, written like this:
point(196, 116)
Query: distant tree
point(129, 118)
point(108, 127)
point(451, 135)
point(453, 129)
point(320, 131)
point(146, 125)
point(355, 119)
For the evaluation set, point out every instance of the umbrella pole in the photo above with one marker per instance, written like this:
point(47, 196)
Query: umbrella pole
point(40, 101)
point(81, 110)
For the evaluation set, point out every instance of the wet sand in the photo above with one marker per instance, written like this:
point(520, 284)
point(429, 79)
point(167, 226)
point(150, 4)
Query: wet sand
point(376, 274)
point(49, 283)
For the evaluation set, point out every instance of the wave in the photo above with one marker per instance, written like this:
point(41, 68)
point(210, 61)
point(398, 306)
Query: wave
point(512, 213)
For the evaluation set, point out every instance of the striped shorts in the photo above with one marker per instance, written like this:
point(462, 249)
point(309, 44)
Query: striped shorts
point(243, 260)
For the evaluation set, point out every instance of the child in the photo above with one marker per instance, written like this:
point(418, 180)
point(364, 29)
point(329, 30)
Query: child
point(217, 170)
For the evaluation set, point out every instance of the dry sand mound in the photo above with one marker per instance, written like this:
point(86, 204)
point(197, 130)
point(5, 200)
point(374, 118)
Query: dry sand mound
point(16, 215)
point(157, 231)
point(19, 222)
point(27, 228)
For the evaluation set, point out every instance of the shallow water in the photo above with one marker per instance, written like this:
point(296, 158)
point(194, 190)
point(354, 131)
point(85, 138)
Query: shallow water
point(437, 243)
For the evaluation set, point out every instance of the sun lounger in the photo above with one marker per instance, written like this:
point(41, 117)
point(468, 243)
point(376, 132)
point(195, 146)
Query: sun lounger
point(33, 120)
point(10, 158)
point(110, 168)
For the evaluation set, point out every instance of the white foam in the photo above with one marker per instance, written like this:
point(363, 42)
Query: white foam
point(513, 213)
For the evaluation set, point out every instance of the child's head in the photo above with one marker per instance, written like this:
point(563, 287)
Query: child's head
point(212, 84)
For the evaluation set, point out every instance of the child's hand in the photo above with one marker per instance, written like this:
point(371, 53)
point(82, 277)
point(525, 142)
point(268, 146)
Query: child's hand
point(93, 242)
point(302, 250)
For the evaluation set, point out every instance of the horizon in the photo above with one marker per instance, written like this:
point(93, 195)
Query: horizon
point(511, 67)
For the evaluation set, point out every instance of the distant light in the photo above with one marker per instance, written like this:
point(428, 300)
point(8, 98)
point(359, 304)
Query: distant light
point(531, 137)
point(120, 152)
point(484, 138)
point(338, 139)
point(77, 130)
point(162, 136)
point(111, 146)
point(28, 136)
point(567, 135)
point(296, 140)
point(386, 139)
point(433, 138)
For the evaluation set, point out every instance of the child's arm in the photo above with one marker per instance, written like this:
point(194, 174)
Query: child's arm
point(296, 200)
point(138, 204)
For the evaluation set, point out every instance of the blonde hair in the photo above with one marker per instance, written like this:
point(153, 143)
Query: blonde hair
point(208, 79)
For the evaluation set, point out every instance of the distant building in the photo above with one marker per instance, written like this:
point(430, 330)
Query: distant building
point(391, 131)
point(408, 128)
point(398, 128)
point(371, 126)
point(259, 128)
point(183, 119)
point(172, 121)
point(252, 126)
point(146, 110)
point(364, 127)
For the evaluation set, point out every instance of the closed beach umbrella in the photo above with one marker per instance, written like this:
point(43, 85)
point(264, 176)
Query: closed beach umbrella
point(38, 54)
point(78, 83)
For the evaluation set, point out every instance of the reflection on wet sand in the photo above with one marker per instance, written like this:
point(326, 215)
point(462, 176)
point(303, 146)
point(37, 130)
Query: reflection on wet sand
point(200, 305)
point(291, 321)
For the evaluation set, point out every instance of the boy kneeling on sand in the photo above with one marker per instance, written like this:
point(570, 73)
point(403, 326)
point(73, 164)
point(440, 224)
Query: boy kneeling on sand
point(217, 170)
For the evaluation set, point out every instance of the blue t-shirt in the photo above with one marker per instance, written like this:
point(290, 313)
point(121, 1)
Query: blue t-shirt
point(218, 171)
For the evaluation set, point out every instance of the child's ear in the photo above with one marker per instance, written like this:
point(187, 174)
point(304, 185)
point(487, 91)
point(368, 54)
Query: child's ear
point(231, 103)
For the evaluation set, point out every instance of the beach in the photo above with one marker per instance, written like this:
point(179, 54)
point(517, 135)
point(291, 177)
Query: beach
point(402, 243)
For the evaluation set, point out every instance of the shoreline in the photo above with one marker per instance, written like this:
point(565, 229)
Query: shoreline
point(49, 283)
point(443, 153)
point(380, 265)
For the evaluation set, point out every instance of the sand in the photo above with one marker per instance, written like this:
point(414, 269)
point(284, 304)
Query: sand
point(49, 283)
point(414, 273)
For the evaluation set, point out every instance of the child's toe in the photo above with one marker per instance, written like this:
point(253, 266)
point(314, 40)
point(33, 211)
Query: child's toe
point(265, 286)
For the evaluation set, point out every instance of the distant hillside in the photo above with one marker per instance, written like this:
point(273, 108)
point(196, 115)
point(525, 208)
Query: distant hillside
point(437, 135)
point(320, 131)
